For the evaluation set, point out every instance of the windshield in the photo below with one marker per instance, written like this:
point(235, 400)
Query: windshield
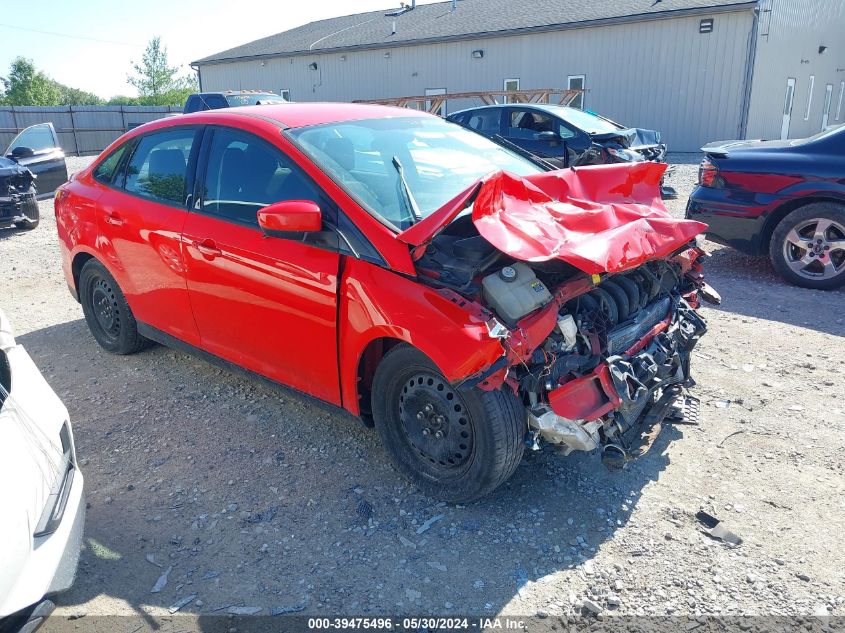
point(253, 98)
point(437, 159)
point(586, 121)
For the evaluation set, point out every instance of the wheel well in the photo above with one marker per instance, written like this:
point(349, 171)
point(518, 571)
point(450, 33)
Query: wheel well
point(782, 211)
point(367, 364)
point(76, 269)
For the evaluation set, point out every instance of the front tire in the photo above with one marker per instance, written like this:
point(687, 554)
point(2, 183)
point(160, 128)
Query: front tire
point(32, 216)
point(451, 444)
point(808, 246)
point(106, 311)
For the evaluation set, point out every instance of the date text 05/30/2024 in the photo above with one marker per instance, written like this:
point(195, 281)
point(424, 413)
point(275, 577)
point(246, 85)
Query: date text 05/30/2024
point(417, 623)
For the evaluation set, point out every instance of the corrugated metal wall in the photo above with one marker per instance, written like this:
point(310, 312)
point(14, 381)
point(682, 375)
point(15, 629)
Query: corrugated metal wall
point(82, 130)
point(791, 32)
point(659, 74)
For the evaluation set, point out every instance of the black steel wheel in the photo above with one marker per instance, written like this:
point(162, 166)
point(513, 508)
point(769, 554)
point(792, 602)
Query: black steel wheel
point(435, 421)
point(106, 311)
point(456, 445)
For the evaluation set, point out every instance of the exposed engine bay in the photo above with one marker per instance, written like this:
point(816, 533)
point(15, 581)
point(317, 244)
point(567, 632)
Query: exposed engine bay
point(595, 358)
point(17, 191)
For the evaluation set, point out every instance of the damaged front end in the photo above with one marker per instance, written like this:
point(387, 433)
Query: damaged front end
point(17, 193)
point(590, 287)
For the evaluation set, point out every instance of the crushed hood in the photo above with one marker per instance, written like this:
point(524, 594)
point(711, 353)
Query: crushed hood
point(602, 218)
point(9, 168)
point(631, 137)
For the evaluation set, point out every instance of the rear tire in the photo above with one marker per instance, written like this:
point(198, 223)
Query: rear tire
point(452, 445)
point(30, 212)
point(808, 246)
point(106, 311)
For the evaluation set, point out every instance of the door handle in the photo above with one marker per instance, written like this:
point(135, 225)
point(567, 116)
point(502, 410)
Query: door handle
point(208, 248)
point(114, 219)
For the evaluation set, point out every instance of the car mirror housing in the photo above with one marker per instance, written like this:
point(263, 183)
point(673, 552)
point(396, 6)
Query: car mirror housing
point(284, 219)
point(22, 152)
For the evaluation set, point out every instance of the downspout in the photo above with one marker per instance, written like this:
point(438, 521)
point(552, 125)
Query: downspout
point(199, 75)
point(749, 73)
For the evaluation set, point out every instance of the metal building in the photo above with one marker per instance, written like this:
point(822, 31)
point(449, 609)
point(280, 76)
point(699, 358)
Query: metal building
point(696, 70)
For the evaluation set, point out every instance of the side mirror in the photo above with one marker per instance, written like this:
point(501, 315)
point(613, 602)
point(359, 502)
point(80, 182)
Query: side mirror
point(549, 137)
point(22, 152)
point(283, 219)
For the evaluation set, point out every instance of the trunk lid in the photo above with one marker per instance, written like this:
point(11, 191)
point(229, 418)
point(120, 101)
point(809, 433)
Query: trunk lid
point(724, 148)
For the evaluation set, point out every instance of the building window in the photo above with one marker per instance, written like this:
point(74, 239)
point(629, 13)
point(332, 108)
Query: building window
point(511, 85)
point(284, 93)
point(440, 110)
point(841, 92)
point(576, 82)
point(706, 25)
point(809, 97)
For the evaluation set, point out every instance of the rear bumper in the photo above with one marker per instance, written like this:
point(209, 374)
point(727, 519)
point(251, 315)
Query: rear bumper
point(53, 560)
point(738, 223)
point(43, 517)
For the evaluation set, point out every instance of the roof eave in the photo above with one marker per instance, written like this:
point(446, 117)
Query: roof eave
point(639, 17)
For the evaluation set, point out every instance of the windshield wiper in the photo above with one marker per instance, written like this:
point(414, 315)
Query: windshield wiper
point(542, 164)
point(405, 192)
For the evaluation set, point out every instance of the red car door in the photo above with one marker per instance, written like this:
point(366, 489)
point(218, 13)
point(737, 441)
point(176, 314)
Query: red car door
point(266, 304)
point(141, 219)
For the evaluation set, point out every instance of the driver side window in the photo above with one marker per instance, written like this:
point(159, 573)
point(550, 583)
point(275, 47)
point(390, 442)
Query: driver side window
point(36, 138)
point(526, 124)
point(245, 174)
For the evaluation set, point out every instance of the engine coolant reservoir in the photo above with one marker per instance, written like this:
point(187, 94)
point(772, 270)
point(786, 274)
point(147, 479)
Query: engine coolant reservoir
point(514, 291)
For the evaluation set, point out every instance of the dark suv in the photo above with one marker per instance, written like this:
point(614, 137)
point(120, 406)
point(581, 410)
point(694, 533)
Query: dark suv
point(215, 100)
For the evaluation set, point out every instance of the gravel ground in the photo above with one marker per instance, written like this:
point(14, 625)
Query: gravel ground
point(253, 496)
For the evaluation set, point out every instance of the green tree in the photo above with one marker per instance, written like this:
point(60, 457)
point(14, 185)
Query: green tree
point(122, 100)
point(157, 82)
point(27, 86)
point(75, 96)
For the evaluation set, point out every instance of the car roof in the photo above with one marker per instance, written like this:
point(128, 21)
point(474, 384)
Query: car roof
point(293, 115)
point(551, 108)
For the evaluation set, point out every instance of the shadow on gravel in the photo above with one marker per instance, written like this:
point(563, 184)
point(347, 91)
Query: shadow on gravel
point(749, 286)
point(8, 232)
point(257, 498)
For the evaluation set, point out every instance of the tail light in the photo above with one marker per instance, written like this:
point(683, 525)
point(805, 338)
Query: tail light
point(708, 175)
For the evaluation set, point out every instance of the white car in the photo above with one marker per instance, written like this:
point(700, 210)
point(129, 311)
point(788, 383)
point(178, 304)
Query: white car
point(42, 507)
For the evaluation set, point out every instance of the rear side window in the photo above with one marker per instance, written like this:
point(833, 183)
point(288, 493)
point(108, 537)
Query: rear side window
point(485, 121)
point(245, 174)
point(159, 165)
point(215, 101)
point(194, 104)
point(105, 170)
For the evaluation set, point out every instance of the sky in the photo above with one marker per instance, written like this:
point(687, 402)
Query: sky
point(90, 44)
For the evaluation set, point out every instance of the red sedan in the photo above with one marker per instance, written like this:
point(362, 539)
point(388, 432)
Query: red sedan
point(419, 276)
